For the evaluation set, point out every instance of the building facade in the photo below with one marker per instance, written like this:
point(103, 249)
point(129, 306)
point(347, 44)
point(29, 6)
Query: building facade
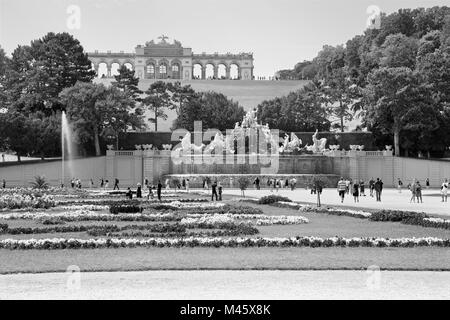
point(165, 60)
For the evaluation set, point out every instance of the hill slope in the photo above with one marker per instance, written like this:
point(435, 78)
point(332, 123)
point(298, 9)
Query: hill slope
point(248, 93)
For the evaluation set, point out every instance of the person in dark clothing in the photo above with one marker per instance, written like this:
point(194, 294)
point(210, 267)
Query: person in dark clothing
point(4, 184)
point(257, 183)
point(158, 190)
point(129, 194)
point(356, 192)
point(378, 187)
point(102, 183)
point(220, 188)
point(139, 191)
point(214, 191)
point(116, 184)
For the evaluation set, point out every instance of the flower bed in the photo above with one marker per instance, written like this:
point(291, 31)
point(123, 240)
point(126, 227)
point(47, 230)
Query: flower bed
point(59, 243)
point(259, 220)
point(29, 200)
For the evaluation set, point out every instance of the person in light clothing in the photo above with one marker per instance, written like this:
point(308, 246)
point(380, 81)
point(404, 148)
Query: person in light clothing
point(444, 190)
point(342, 189)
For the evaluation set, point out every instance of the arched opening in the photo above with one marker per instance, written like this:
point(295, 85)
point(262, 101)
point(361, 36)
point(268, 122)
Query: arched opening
point(102, 70)
point(162, 71)
point(198, 68)
point(176, 71)
point(150, 71)
point(221, 71)
point(209, 71)
point(128, 65)
point(234, 71)
point(115, 66)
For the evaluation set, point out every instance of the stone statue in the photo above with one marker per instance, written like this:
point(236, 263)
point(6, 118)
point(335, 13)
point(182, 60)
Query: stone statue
point(187, 146)
point(292, 145)
point(318, 144)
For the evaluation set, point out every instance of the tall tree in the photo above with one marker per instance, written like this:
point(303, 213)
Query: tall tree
point(214, 109)
point(127, 81)
point(158, 99)
point(92, 108)
point(395, 101)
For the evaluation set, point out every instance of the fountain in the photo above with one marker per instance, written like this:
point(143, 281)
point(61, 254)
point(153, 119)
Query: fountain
point(66, 147)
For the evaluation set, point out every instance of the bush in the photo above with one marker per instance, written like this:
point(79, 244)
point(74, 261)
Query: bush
point(40, 183)
point(3, 227)
point(272, 199)
point(115, 209)
point(397, 215)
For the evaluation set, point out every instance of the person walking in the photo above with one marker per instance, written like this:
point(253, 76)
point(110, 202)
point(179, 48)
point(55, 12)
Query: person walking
point(146, 183)
point(150, 192)
point(371, 186)
point(419, 192)
point(116, 184)
point(4, 184)
point(427, 183)
point(356, 192)
point(378, 187)
point(271, 184)
point(342, 188)
point(167, 184)
point(412, 188)
point(158, 190)
point(187, 185)
point(219, 187)
point(214, 191)
point(399, 185)
point(347, 186)
point(444, 190)
point(102, 183)
point(106, 184)
point(294, 182)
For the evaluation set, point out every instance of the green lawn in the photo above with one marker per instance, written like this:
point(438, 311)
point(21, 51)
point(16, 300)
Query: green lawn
point(224, 258)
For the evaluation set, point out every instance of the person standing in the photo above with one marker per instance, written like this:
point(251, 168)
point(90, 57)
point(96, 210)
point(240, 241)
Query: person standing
point(139, 191)
point(129, 194)
point(371, 186)
point(106, 184)
point(378, 188)
point(294, 180)
point(183, 183)
point(347, 186)
point(444, 190)
point(158, 190)
point(219, 187)
point(271, 184)
point(150, 192)
point(362, 188)
point(214, 191)
point(399, 185)
point(146, 183)
point(356, 192)
point(257, 183)
point(187, 185)
point(116, 184)
point(342, 187)
point(427, 183)
point(419, 192)
point(102, 183)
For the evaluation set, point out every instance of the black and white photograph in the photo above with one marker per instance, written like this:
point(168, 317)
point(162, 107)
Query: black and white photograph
point(224, 155)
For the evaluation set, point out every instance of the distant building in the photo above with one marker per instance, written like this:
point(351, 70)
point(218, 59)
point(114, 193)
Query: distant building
point(164, 60)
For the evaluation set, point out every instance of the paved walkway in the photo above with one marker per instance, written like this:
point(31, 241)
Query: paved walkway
point(391, 199)
point(212, 285)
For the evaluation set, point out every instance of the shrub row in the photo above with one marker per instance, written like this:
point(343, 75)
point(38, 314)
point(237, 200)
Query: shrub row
point(272, 199)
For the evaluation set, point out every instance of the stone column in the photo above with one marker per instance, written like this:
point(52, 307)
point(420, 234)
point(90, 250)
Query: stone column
point(216, 72)
point(203, 73)
point(227, 76)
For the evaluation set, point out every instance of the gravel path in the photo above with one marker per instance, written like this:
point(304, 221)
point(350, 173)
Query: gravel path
point(225, 285)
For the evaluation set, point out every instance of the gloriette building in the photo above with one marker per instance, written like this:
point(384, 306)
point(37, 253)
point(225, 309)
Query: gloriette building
point(165, 60)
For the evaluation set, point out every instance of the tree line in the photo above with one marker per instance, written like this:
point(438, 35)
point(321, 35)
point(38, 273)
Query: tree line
point(54, 74)
point(396, 78)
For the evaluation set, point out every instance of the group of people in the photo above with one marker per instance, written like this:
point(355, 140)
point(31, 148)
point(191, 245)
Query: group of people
point(75, 183)
point(277, 184)
point(358, 188)
point(150, 188)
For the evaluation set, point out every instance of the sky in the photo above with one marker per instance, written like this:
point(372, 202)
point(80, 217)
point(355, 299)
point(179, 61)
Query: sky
point(280, 33)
